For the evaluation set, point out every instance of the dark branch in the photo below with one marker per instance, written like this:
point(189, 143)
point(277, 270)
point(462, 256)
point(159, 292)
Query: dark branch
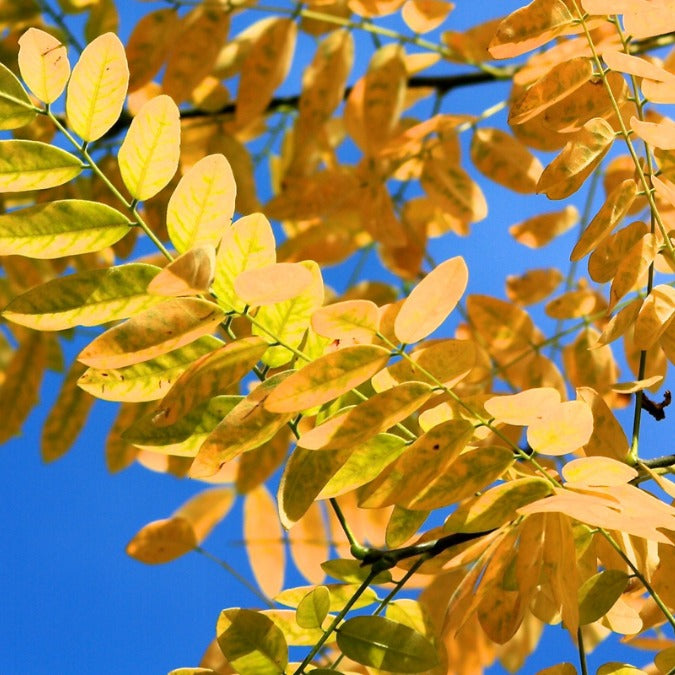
point(656, 410)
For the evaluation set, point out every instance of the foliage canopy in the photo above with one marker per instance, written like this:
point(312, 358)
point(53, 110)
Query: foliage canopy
point(487, 471)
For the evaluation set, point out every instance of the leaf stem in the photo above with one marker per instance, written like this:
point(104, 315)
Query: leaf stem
point(582, 652)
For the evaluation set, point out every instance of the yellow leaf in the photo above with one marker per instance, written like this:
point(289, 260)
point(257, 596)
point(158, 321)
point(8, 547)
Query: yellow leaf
point(274, 283)
point(248, 244)
point(327, 378)
point(313, 608)
point(264, 540)
point(588, 367)
point(118, 453)
point(189, 274)
point(444, 361)
point(619, 323)
point(633, 268)
point(429, 457)
point(564, 428)
point(148, 156)
point(540, 230)
point(192, 56)
point(568, 171)
point(103, 18)
point(431, 301)
point(422, 16)
point(256, 466)
point(608, 438)
point(530, 27)
point(248, 426)
point(647, 19)
point(656, 314)
point(148, 44)
point(524, 408)
point(558, 83)
point(202, 204)
point(169, 325)
point(206, 509)
point(16, 108)
point(347, 321)
point(32, 165)
point(265, 68)
point(208, 376)
point(162, 541)
point(85, 299)
point(61, 228)
point(375, 103)
point(635, 65)
point(67, 416)
point(97, 88)
point(572, 304)
point(657, 134)
point(44, 64)
point(451, 188)
point(288, 321)
point(652, 382)
point(595, 471)
point(604, 262)
point(147, 381)
point(608, 217)
point(497, 506)
point(356, 425)
point(505, 160)
point(533, 286)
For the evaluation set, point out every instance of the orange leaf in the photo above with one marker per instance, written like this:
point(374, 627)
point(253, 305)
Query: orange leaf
point(540, 230)
point(264, 540)
point(327, 378)
point(189, 274)
point(633, 268)
point(431, 301)
point(422, 16)
point(657, 134)
point(162, 541)
point(349, 320)
point(155, 331)
point(608, 438)
point(656, 314)
point(604, 262)
point(273, 283)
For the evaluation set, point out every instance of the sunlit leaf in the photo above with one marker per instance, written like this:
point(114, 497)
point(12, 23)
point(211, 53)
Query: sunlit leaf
point(604, 262)
point(274, 283)
point(572, 304)
point(559, 82)
point(85, 299)
point(264, 540)
point(189, 274)
point(568, 171)
point(16, 109)
point(159, 329)
point(247, 427)
point(252, 643)
point(657, 134)
point(540, 230)
point(530, 27)
point(597, 471)
point(563, 429)
point(523, 408)
point(208, 376)
point(295, 635)
point(148, 156)
point(385, 644)
point(339, 595)
point(610, 215)
point(61, 228)
point(248, 244)
point(44, 64)
point(533, 286)
point(355, 320)
point(608, 438)
point(32, 165)
point(327, 378)
point(97, 87)
point(146, 381)
point(313, 608)
point(202, 204)
point(309, 541)
point(356, 425)
point(656, 314)
point(633, 268)
point(431, 301)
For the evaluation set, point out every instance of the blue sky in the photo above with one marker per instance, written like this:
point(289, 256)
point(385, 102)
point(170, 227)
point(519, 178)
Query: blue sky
point(72, 601)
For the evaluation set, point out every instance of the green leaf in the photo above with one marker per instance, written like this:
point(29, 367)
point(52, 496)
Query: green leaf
point(352, 571)
point(313, 608)
point(598, 594)
point(251, 642)
point(340, 594)
point(183, 438)
point(32, 165)
point(388, 645)
point(85, 299)
point(61, 228)
point(16, 109)
point(149, 380)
